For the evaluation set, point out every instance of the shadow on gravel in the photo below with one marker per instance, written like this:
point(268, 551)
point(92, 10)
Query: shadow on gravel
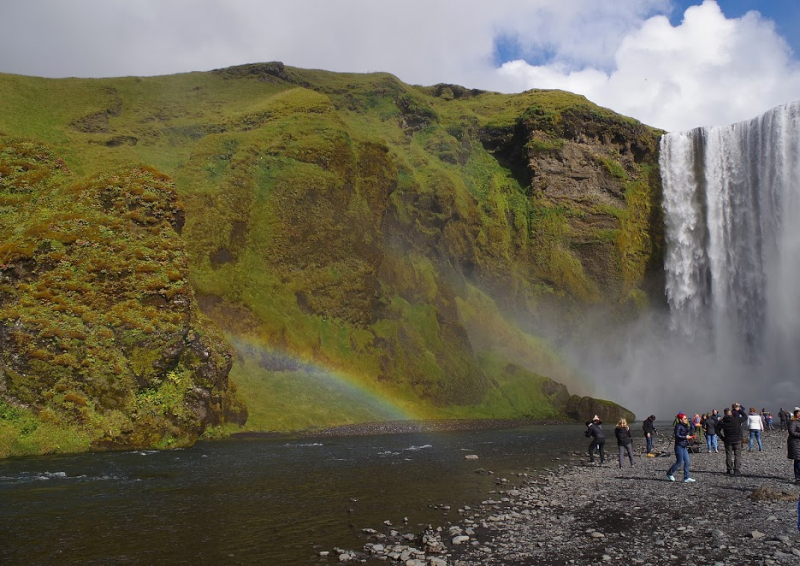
point(743, 475)
point(734, 484)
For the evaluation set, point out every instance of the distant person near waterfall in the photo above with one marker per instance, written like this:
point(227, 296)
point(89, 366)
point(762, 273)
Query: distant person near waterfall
point(755, 425)
point(682, 438)
point(650, 431)
point(710, 428)
point(595, 431)
point(793, 445)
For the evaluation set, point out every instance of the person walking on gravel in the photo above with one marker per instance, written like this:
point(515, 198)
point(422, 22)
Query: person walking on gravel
point(624, 441)
point(595, 431)
point(729, 430)
point(682, 438)
point(793, 444)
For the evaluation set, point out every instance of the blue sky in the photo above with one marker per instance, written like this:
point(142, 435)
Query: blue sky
point(785, 14)
point(674, 64)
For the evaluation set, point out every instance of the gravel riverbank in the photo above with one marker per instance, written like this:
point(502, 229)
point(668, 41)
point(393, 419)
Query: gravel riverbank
point(591, 514)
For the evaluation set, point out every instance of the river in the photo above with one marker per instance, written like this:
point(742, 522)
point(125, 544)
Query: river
point(274, 501)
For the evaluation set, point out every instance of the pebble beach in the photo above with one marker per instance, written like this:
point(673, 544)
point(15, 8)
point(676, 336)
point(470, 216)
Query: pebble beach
point(581, 513)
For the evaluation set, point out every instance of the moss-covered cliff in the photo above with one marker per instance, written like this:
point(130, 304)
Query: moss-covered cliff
point(369, 248)
point(101, 340)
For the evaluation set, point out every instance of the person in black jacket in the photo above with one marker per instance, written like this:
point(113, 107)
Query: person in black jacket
point(710, 428)
point(595, 431)
point(793, 444)
point(649, 428)
point(624, 440)
point(729, 429)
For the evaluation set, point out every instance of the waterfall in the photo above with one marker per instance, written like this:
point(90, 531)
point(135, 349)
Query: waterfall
point(732, 213)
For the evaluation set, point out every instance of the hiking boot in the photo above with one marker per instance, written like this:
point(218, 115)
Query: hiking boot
point(670, 477)
point(689, 480)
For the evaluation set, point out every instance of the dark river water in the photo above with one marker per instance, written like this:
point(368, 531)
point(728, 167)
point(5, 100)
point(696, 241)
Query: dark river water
point(256, 501)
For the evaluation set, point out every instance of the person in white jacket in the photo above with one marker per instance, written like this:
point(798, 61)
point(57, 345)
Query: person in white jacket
point(755, 425)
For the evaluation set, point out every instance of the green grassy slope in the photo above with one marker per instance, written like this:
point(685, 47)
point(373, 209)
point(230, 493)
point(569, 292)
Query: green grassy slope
point(373, 249)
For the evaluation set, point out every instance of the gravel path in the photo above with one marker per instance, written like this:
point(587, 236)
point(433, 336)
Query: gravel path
point(590, 514)
point(634, 515)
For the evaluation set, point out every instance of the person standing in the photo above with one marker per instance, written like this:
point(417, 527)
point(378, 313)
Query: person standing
point(729, 429)
point(740, 415)
point(624, 441)
point(595, 431)
point(782, 417)
point(697, 427)
point(755, 425)
point(710, 428)
point(793, 445)
point(649, 428)
point(682, 438)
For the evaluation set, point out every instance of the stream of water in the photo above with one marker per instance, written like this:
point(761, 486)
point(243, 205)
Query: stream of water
point(256, 501)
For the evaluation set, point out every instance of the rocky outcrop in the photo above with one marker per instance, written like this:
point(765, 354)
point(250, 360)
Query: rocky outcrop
point(99, 329)
point(583, 409)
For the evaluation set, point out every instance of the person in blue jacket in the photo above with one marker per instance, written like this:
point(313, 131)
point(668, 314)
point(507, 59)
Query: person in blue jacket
point(682, 437)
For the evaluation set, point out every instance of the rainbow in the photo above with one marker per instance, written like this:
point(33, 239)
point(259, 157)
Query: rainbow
point(376, 400)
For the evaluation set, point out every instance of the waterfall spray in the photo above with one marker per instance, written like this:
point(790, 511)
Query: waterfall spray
point(732, 262)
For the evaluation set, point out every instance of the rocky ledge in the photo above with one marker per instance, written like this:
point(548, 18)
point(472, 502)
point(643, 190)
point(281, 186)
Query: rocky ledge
point(592, 514)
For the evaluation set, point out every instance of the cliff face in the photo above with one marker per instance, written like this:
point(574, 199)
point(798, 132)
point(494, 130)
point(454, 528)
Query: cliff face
point(101, 341)
point(424, 245)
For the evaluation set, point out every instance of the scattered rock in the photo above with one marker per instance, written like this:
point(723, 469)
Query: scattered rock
point(633, 516)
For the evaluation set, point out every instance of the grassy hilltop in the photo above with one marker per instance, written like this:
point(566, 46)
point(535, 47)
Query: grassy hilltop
point(368, 249)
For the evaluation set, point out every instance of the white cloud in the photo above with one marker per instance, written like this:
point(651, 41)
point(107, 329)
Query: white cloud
point(709, 70)
point(619, 53)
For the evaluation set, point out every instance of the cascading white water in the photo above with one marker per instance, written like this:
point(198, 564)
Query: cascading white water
point(732, 210)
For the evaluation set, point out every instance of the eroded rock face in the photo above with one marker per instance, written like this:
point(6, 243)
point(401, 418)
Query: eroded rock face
point(99, 328)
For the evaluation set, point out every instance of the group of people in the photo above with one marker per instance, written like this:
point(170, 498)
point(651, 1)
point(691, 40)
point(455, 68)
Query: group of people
point(754, 422)
point(594, 430)
point(728, 429)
